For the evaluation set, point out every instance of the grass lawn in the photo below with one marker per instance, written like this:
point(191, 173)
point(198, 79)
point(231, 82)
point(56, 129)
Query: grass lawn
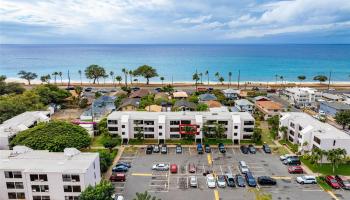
point(246, 142)
point(323, 184)
point(97, 141)
point(326, 168)
point(213, 141)
point(280, 150)
point(266, 135)
point(291, 146)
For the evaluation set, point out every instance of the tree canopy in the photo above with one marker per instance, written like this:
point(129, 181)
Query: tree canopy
point(95, 72)
point(27, 75)
point(53, 136)
point(146, 71)
point(9, 88)
point(343, 118)
point(51, 94)
point(320, 78)
point(102, 191)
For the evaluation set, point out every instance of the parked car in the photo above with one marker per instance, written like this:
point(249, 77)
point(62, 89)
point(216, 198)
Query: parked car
point(135, 88)
point(149, 149)
point(88, 89)
point(160, 167)
point(70, 87)
point(156, 149)
point(252, 149)
point(266, 148)
point(211, 181)
point(295, 170)
point(244, 149)
point(173, 168)
point(243, 167)
point(158, 89)
point(117, 197)
point(306, 179)
point(222, 148)
point(250, 179)
point(120, 168)
point(331, 181)
point(123, 163)
point(230, 180)
point(164, 149)
point(266, 180)
point(178, 149)
point(193, 181)
point(221, 181)
point(118, 177)
point(199, 148)
point(285, 156)
point(292, 161)
point(343, 182)
point(207, 148)
point(191, 168)
point(240, 180)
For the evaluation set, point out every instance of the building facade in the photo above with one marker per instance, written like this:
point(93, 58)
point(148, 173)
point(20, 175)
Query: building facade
point(243, 105)
point(43, 175)
point(302, 96)
point(169, 125)
point(332, 108)
point(304, 129)
point(268, 108)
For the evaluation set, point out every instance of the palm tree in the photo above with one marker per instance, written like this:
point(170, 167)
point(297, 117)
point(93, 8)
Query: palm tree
point(60, 74)
point(221, 79)
point(144, 196)
point(219, 130)
point(301, 78)
point(336, 156)
point(201, 75)
point(195, 77)
point(217, 75)
point(229, 78)
point(55, 74)
point(162, 79)
point(81, 81)
point(131, 73)
point(276, 76)
point(118, 78)
point(207, 74)
point(125, 71)
point(315, 156)
point(284, 130)
point(111, 73)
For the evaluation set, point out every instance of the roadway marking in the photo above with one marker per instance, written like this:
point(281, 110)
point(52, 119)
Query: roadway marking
point(221, 170)
point(141, 174)
point(233, 151)
point(216, 194)
point(332, 195)
point(282, 177)
point(209, 159)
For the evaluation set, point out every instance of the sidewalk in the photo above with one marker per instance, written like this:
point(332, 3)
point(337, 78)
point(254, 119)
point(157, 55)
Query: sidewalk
point(116, 159)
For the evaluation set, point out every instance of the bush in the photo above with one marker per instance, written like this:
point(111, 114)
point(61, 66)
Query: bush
point(105, 160)
point(102, 191)
point(53, 136)
point(83, 103)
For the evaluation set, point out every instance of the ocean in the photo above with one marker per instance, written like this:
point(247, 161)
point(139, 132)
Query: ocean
point(179, 62)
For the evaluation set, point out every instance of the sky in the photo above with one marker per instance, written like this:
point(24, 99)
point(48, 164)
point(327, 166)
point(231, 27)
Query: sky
point(174, 21)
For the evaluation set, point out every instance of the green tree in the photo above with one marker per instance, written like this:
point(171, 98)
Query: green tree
point(95, 72)
point(201, 75)
point(53, 136)
point(301, 78)
point(106, 160)
point(110, 143)
point(195, 77)
point(102, 191)
point(343, 118)
point(202, 107)
point(139, 133)
point(219, 130)
point(27, 75)
point(119, 79)
point(81, 80)
point(162, 79)
point(221, 79)
point(336, 156)
point(144, 196)
point(10, 88)
point(51, 94)
point(125, 72)
point(83, 103)
point(60, 74)
point(2, 78)
point(256, 137)
point(207, 74)
point(320, 78)
point(131, 73)
point(55, 74)
point(229, 78)
point(146, 71)
point(45, 78)
point(217, 75)
point(284, 130)
point(193, 99)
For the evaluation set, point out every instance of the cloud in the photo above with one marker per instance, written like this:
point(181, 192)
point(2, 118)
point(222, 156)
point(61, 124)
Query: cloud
point(194, 20)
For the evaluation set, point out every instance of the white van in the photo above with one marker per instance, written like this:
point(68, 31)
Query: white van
point(243, 167)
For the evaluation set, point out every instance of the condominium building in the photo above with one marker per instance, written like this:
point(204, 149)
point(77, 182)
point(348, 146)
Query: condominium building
point(170, 125)
point(43, 175)
point(19, 123)
point(304, 128)
point(302, 96)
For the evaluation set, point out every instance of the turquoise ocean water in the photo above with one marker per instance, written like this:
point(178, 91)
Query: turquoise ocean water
point(255, 62)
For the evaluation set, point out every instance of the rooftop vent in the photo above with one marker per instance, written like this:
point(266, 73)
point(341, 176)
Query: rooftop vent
point(70, 152)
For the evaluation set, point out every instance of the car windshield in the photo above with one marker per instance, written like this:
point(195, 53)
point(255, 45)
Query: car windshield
point(333, 181)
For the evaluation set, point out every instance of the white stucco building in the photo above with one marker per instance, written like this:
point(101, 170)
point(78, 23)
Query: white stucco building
point(304, 128)
point(167, 125)
point(43, 175)
point(19, 123)
point(302, 96)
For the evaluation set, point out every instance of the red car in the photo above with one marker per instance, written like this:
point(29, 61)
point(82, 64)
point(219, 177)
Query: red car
point(191, 168)
point(332, 182)
point(118, 177)
point(295, 170)
point(173, 168)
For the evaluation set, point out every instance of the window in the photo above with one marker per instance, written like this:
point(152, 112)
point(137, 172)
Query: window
point(16, 195)
point(300, 128)
point(174, 135)
point(291, 132)
point(334, 142)
point(40, 188)
point(160, 127)
point(123, 133)
point(248, 129)
point(138, 122)
point(149, 135)
point(71, 198)
point(236, 127)
point(149, 122)
point(235, 134)
point(113, 128)
point(123, 126)
point(174, 129)
point(149, 129)
point(70, 178)
point(247, 136)
point(71, 188)
point(185, 121)
point(138, 128)
point(223, 122)
point(13, 174)
point(248, 122)
point(112, 121)
point(38, 177)
point(41, 197)
point(14, 185)
point(317, 140)
point(160, 133)
point(174, 122)
point(292, 125)
point(290, 139)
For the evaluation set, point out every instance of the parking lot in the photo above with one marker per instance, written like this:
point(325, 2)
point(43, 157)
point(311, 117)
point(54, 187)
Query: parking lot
point(166, 185)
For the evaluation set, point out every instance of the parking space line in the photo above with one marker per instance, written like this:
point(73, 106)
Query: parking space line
point(221, 170)
point(233, 151)
point(282, 177)
point(332, 195)
point(229, 169)
point(141, 174)
point(209, 159)
point(216, 194)
point(189, 150)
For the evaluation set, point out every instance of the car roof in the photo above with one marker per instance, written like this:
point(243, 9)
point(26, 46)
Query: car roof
point(308, 176)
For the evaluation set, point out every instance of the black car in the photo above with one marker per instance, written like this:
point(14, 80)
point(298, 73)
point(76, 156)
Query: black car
point(70, 87)
point(222, 148)
point(156, 149)
point(244, 149)
point(88, 89)
point(266, 148)
point(230, 180)
point(266, 180)
point(250, 179)
point(178, 149)
point(343, 182)
point(252, 149)
point(135, 88)
point(207, 148)
point(240, 180)
point(149, 149)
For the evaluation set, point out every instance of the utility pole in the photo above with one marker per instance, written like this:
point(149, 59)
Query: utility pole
point(239, 76)
point(329, 79)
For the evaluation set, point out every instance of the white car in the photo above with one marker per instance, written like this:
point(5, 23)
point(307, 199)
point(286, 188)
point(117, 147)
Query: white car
point(117, 197)
point(211, 181)
point(193, 181)
point(285, 156)
point(306, 179)
point(160, 167)
point(221, 181)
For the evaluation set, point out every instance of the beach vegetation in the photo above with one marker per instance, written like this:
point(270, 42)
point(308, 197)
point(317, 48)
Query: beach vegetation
point(95, 72)
point(125, 72)
point(162, 79)
point(301, 77)
point(10, 88)
point(119, 79)
point(45, 78)
point(146, 71)
point(229, 78)
point(221, 79)
point(320, 78)
point(131, 74)
point(53, 136)
point(60, 74)
point(80, 76)
point(55, 74)
point(51, 94)
point(196, 78)
point(343, 118)
point(27, 75)
point(207, 74)
point(102, 191)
